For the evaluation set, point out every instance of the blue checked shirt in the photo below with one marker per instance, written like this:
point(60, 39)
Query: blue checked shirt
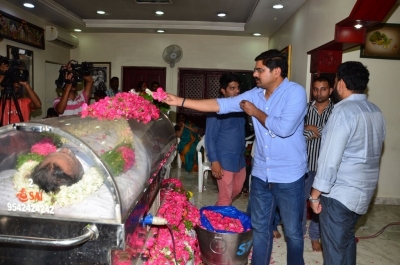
point(280, 153)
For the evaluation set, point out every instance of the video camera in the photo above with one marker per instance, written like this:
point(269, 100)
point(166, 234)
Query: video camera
point(78, 72)
point(14, 72)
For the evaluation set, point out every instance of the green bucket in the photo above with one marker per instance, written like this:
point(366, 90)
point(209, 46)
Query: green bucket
point(224, 248)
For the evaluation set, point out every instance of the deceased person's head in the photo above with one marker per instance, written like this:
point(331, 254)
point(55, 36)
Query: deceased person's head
point(57, 169)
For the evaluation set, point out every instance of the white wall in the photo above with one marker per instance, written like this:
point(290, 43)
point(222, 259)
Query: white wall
point(310, 27)
point(313, 26)
point(52, 53)
point(129, 49)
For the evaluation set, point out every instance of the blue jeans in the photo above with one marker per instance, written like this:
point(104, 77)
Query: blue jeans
point(277, 220)
point(313, 229)
point(338, 233)
point(264, 198)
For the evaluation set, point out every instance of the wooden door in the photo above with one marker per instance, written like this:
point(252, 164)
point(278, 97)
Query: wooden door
point(132, 75)
point(203, 84)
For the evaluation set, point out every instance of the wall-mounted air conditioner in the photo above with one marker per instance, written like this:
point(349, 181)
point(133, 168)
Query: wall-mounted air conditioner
point(61, 37)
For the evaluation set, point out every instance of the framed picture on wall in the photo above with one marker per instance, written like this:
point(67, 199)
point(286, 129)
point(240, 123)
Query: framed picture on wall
point(382, 42)
point(101, 75)
point(288, 52)
point(21, 31)
point(21, 59)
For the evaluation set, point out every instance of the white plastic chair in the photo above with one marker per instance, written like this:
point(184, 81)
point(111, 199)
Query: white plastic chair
point(203, 165)
point(249, 140)
point(178, 156)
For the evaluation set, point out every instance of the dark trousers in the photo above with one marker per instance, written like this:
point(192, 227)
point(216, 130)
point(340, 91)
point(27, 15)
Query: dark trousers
point(337, 225)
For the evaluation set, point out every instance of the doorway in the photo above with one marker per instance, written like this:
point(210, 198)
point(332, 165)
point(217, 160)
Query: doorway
point(132, 75)
point(51, 92)
point(203, 84)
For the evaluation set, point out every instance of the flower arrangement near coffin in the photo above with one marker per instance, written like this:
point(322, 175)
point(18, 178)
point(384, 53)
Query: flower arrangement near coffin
point(182, 217)
point(123, 105)
point(120, 159)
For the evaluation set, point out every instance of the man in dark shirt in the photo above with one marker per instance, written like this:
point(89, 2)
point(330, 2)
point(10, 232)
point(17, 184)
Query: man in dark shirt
point(318, 112)
point(225, 145)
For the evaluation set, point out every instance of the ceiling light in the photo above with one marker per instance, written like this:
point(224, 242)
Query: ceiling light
point(101, 12)
point(160, 31)
point(77, 30)
point(358, 26)
point(221, 15)
point(28, 5)
point(160, 13)
point(278, 6)
point(257, 34)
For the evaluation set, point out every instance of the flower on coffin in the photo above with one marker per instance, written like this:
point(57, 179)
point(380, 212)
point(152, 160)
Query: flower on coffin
point(123, 105)
point(120, 159)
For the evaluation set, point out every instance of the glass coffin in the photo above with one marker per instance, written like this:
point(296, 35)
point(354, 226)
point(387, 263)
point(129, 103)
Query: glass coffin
point(81, 170)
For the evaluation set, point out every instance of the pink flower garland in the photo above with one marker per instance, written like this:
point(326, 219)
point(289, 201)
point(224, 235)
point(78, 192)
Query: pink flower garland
point(176, 182)
point(183, 217)
point(220, 222)
point(44, 147)
point(123, 105)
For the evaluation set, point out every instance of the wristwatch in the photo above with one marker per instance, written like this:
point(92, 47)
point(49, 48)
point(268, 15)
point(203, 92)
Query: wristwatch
point(313, 200)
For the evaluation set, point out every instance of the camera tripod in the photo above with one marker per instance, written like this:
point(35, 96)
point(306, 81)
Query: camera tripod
point(7, 95)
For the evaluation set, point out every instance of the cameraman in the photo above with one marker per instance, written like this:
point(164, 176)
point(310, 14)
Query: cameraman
point(26, 104)
point(70, 103)
point(3, 70)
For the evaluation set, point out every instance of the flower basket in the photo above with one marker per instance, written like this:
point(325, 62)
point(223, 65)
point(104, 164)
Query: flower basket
point(224, 219)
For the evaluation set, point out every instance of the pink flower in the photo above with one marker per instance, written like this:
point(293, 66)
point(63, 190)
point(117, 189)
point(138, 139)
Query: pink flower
point(159, 94)
point(123, 105)
point(220, 222)
point(44, 147)
point(176, 182)
point(181, 216)
point(128, 155)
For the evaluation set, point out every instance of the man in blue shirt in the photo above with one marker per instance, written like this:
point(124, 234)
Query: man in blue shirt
point(348, 164)
point(278, 108)
point(225, 144)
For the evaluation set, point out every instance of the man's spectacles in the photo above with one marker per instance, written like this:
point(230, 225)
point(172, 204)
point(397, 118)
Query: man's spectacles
point(259, 70)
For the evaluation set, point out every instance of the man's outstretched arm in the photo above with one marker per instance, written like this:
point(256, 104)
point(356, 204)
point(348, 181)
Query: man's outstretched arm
point(205, 105)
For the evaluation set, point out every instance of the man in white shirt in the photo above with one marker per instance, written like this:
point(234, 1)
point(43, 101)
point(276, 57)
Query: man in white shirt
point(348, 164)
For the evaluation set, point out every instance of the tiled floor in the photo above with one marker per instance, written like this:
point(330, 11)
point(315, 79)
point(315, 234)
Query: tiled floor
point(381, 250)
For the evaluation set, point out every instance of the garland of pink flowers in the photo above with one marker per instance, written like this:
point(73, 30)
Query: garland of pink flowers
point(183, 216)
point(122, 105)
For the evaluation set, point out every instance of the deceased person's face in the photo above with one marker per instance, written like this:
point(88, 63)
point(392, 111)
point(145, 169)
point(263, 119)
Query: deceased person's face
point(57, 169)
point(66, 160)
